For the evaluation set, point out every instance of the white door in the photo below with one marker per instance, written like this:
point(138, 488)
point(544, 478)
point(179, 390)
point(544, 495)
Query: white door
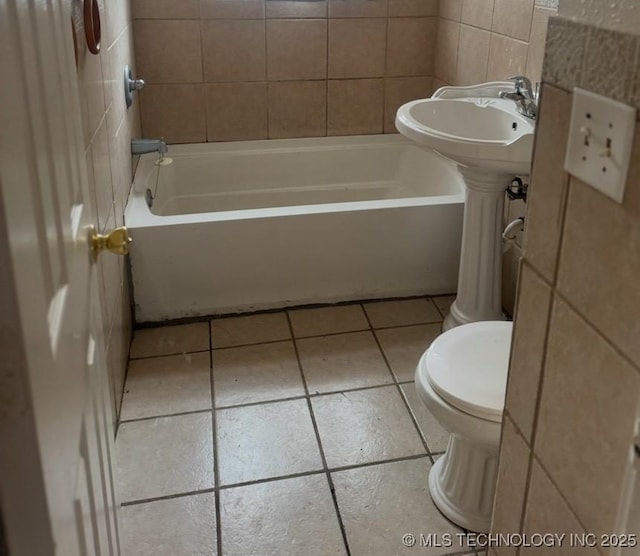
point(56, 437)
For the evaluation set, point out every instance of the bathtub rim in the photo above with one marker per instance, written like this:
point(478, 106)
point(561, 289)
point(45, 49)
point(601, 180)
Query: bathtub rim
point(138, 214)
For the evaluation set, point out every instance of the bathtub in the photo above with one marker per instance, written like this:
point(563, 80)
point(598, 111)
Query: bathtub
point(245, 226)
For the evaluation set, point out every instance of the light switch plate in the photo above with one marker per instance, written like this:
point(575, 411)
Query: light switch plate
point(600, 139)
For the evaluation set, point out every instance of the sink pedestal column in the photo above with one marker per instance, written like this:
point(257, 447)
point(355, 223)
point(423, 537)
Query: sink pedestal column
point(479, 294)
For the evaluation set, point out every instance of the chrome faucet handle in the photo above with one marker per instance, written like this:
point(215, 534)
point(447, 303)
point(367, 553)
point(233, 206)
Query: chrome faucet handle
point(131, 85)
point(522, 85)
point(136, 84)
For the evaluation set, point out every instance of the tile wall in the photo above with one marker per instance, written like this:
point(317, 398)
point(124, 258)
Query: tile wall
point(486, 40)
point(108, 127)
point(219, 70)
point(224, 71)
point(574, 377)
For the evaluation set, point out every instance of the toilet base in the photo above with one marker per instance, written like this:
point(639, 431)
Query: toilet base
point(462, 483)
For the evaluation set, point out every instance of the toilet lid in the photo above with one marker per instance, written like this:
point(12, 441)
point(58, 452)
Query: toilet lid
point(467, 366)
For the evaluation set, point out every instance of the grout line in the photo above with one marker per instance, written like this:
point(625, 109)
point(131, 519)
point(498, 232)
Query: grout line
point(332, 488)
point(266, 73)
point(205, 318)
point(118, 410)
point(355, 389)
point(273, 479)
point(267, 402)
point(151, 417)
point(166, 497)
point(325, 471)
point(378, 462)
point(315, 395)
point(570, 507)
point(268, 342)
point(131, 359)
point(311, 473)
point(441, 311)
point(205, 88)
point(463, 552)
point(261, 402)
point(153, 324)
point(588, 323)
point(528, 41)
point(402, 396)
point(296, 18)
point(329, 334)
point(170, 322)
point(385, 76)
point(216, 466)
point(409, 325)
point(326, 74)
point(274, 401)
point(262, 81)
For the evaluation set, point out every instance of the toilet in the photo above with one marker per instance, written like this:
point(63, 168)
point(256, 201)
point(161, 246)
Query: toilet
point(462, 379)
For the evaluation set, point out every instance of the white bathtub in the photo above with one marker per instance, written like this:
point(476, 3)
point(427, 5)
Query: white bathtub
point(252, 225)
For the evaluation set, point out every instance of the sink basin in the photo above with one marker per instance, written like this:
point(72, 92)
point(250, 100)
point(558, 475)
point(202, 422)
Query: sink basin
point(480, 132)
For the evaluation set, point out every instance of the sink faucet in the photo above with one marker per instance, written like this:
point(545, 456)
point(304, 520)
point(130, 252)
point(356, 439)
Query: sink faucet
point(142, 146)
point(523, 96)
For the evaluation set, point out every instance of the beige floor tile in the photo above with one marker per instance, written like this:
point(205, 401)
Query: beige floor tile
point(184, 525)
point(437, 437)
point(170, 340)
point(364, 426)
point(294, 517)
point(166, 385)
point(404, 346)
point(249, 329)
point(167, 455)
point(443, 303)
point(267, 440)
point(381, 503)
point(256, 374)
point(328, 320)
point(343, 361)
point(383, 314)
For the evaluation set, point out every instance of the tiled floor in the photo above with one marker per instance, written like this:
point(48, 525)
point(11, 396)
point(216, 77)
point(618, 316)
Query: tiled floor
point(295, 432)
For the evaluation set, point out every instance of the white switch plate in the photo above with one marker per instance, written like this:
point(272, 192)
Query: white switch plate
point(600, 138)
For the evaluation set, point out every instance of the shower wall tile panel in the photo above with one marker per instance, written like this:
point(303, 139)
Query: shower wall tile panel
point(260, 49)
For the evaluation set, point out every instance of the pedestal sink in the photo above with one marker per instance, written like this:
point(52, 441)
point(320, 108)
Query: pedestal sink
point(491, 142)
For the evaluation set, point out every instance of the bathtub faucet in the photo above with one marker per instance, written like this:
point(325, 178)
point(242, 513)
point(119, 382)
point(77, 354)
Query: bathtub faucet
point(142, 146)
point(523, 96)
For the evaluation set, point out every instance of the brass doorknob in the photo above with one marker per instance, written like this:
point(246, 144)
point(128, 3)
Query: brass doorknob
point(117, 241)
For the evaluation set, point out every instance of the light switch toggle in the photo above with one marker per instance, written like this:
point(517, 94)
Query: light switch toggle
point(600, 139)
point(606, 152)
